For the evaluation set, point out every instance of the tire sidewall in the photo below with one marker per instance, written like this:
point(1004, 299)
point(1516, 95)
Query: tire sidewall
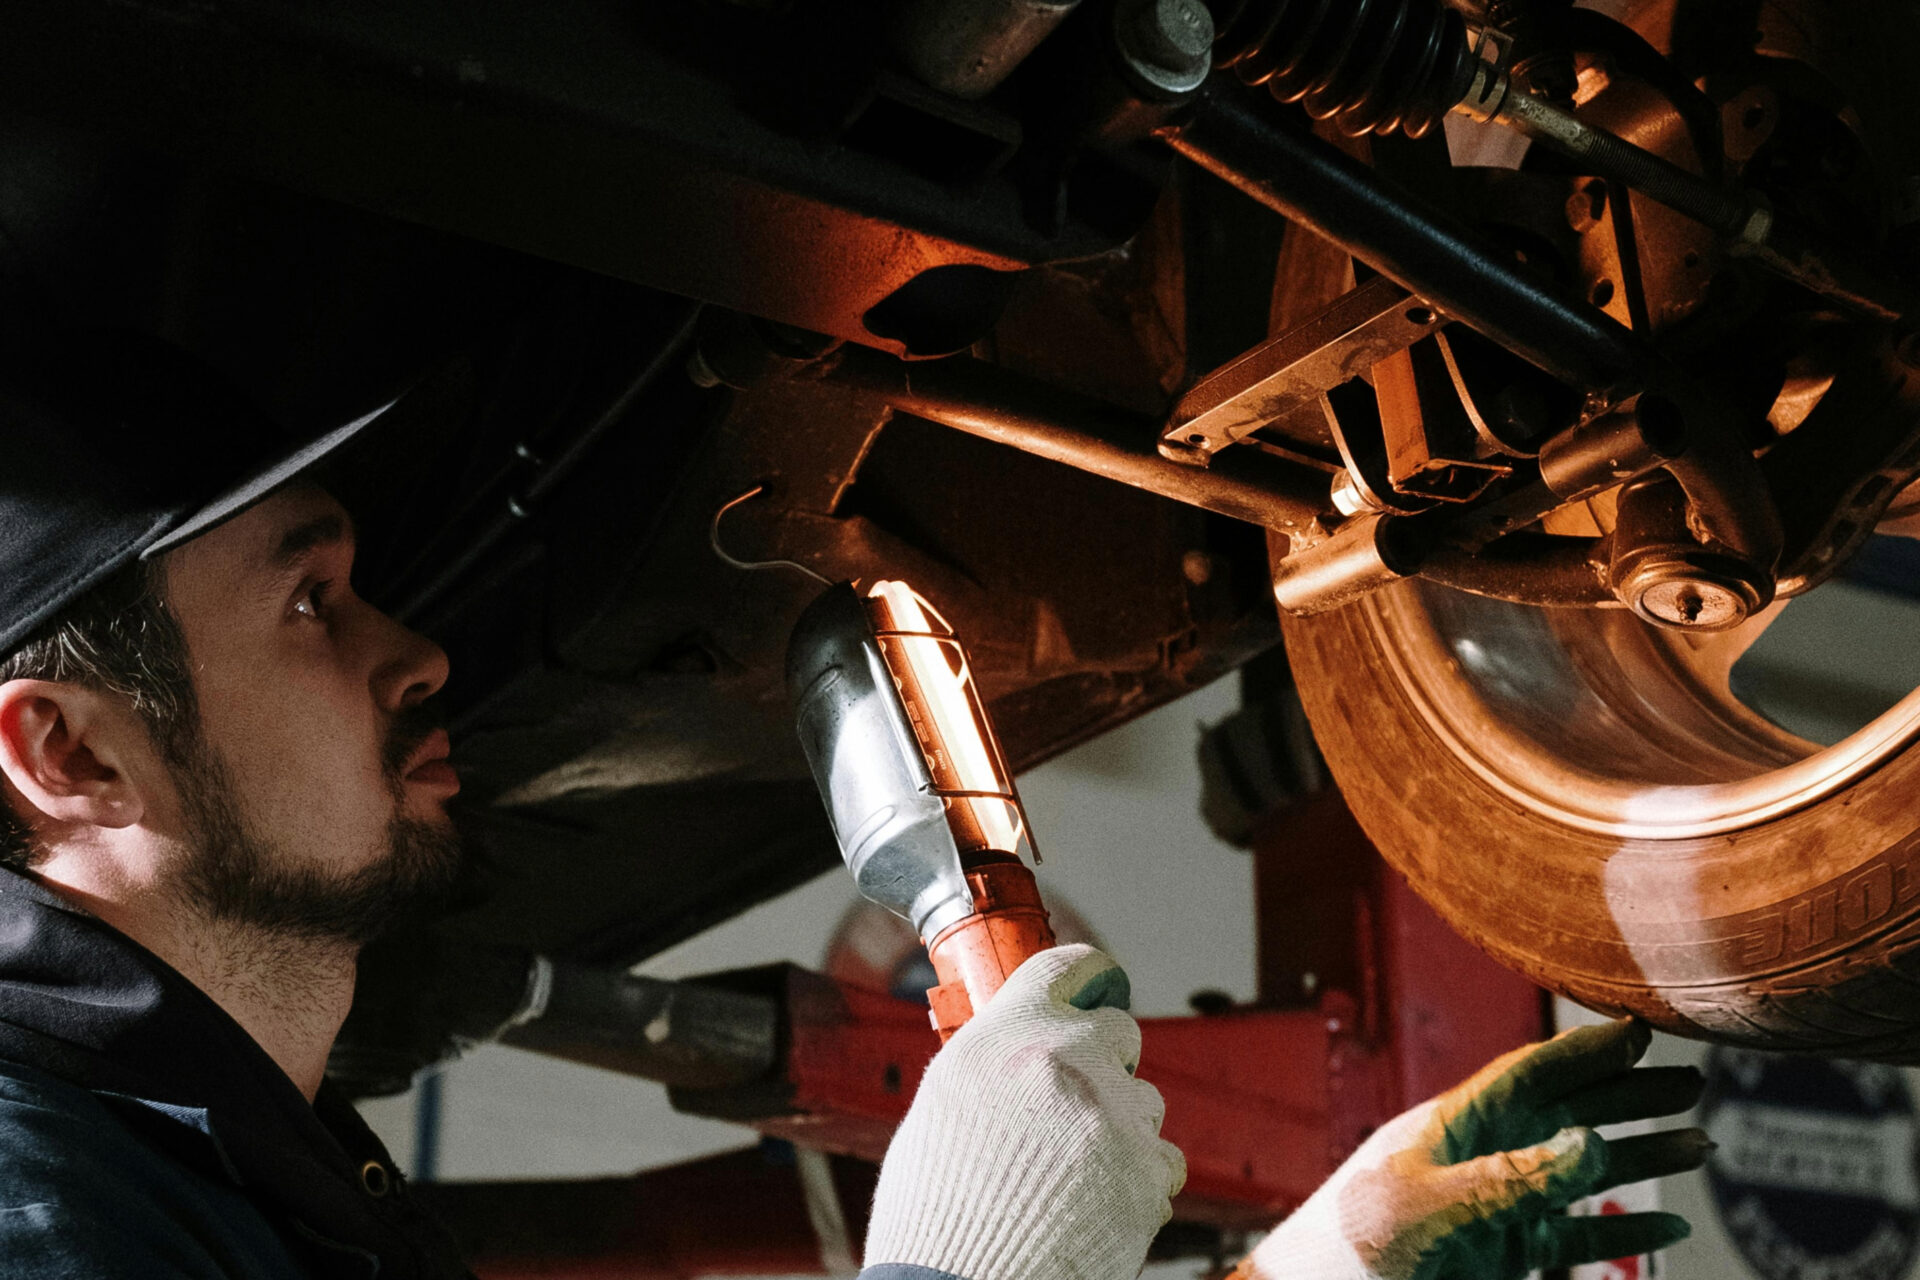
point(1694, 935)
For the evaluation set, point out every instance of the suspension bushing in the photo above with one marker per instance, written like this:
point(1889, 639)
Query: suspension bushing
point(1669, 577)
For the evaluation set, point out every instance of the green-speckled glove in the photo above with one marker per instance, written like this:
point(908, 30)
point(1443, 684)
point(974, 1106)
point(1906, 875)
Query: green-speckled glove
point(1468, 1185)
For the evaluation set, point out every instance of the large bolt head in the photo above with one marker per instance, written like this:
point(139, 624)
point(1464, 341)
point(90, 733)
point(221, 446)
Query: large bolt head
point(1694, 604)
point(1692, 592)
point(1167, 42)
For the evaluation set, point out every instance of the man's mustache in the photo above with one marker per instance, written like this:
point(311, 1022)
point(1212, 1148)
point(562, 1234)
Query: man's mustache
point(409, 728)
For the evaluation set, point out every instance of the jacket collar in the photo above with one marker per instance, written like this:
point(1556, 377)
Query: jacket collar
point(85, 1002)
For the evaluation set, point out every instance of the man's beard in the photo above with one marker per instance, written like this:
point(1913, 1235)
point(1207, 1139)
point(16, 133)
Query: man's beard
point(236, 875)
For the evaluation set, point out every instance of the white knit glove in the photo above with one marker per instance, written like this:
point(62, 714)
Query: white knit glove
point(1467, 1186)
point(1031, 1152)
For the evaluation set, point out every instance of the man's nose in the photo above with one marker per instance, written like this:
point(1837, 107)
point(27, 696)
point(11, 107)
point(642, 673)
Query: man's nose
point(415, 670)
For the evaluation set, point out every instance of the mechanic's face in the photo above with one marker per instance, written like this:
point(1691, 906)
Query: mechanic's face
point(314, 800)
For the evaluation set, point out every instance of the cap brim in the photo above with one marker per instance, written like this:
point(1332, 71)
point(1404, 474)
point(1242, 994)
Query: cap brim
point(261, 485)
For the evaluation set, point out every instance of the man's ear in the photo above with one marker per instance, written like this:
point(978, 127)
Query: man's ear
point(64, 748)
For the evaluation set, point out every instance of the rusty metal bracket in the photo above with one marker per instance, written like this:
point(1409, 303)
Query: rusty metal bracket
point(1289, 374)
point(1433, 450)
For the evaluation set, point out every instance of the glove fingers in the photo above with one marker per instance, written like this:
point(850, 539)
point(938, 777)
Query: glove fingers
point(1640, 1094)
point(1149, 1105)
point(1074, 975)
point(1093, 981)
point(1510, 1109)
point(1552, 1174)
point(1118, 1034)
point(1569, 1242)
point(1176, 1170)
point(1653, 1155)
point(1643, 1093)
point(1573, 1060)
point(1107, 989)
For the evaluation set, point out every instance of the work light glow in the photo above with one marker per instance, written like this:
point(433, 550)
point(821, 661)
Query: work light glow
point(930, 670)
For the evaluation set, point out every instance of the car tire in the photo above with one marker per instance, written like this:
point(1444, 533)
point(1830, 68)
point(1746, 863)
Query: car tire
point(1798, 931)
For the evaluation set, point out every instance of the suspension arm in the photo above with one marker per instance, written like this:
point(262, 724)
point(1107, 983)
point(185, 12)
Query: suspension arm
point(1310, 181)
point(996, 404)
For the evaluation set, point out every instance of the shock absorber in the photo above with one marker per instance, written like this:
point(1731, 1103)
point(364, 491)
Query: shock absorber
point(1371, 66)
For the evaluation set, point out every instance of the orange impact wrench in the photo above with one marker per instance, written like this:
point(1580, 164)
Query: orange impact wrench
point(920, 797)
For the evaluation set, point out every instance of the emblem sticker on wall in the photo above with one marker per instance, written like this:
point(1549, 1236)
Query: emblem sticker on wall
point(1814, 1178)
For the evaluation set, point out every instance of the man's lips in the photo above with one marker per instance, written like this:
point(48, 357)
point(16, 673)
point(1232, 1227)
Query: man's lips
point(429, 767)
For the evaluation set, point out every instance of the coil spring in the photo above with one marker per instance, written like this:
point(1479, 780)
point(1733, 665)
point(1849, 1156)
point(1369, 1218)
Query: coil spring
point(1371, 66)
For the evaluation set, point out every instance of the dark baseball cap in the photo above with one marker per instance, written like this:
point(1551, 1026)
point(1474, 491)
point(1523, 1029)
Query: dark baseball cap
point(115, 447)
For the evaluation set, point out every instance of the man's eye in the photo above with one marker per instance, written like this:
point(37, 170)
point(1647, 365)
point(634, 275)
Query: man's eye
point(312, 602)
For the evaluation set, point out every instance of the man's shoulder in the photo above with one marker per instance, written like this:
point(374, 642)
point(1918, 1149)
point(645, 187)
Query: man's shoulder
point(48, 1125)
point(98, 1186)
point(51, 1128)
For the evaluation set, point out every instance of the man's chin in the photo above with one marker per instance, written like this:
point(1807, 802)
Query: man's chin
point(412, 881)
point(236, 876)
point(423, 858)
point(426, 812)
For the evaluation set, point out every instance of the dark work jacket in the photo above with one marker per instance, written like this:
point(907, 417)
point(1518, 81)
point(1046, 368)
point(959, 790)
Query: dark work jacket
point(144, 1135)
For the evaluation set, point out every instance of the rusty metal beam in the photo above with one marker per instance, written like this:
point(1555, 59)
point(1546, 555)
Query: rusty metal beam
point(996, 404)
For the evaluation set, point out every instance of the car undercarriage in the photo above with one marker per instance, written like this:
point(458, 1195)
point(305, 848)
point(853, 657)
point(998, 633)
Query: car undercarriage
point(1527, 356)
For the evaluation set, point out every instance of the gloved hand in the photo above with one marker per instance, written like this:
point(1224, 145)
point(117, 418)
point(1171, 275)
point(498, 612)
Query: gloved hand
point(1463, 1187)
point(1031, 1152)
